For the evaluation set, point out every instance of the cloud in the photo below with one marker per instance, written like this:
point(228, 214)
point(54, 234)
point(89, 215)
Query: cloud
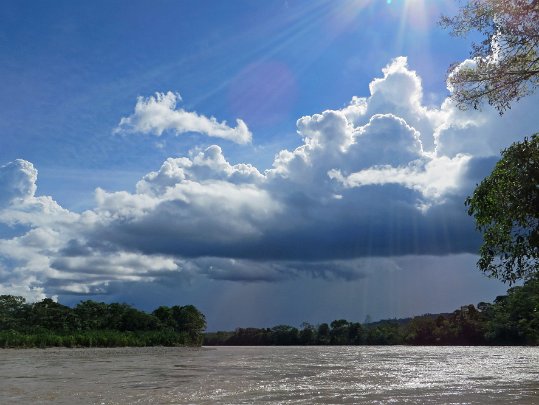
point(157, 114)
point(400, 93)
point(17, 181)
point(18, 203)
point(485, 133)
point(209, 164)
point(428, 176)
point(246, 270)
point(320, 201)
point(384, 176)
point(31, 294)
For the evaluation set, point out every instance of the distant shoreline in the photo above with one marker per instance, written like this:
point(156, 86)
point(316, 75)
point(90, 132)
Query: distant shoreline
point(511, 320)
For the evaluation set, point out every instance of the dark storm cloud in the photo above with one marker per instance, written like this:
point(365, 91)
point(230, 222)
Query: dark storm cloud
point(373, 223)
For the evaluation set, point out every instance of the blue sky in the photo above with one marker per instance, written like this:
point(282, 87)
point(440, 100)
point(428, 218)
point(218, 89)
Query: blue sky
point(270, 162)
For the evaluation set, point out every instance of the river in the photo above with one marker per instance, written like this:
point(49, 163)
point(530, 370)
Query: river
point(271, 375)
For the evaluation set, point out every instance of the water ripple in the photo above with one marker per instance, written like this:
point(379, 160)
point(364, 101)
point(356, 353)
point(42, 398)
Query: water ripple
point(272, 375)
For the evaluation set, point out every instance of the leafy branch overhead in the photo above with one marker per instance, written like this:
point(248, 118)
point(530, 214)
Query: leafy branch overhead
point(505, 64)
point(506, 210)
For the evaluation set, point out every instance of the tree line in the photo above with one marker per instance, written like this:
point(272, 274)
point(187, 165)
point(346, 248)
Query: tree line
point(512, 319)
point(96, 324)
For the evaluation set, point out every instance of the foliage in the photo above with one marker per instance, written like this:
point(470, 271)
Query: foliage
point(506, 61)
point(514, 318)
point(506, 210)
point(92, 315)
point(95, 324)
point(189, 320)
point(12, 310)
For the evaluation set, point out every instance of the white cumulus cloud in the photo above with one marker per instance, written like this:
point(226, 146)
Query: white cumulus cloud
point(157, 114)
point(17, 181)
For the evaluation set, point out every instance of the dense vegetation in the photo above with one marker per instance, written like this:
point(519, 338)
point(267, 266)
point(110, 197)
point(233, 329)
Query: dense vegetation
point(96, 324)
point(512, 319)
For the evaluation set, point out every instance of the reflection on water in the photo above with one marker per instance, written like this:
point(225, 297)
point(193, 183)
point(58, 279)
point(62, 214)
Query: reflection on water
point(238, 375)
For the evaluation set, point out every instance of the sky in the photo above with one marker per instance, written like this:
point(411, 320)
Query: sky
point(269, 162)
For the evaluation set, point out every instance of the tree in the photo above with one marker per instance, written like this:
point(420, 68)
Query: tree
point(165, 316)
point(421, 331)
point(190, 320)
point(50, 315)
point(323, 334)
point(339, 332)
point(115, 316)
point(92, 315)
point(468, 324)
point(505, 206)
point(514, 318)
point(505, 63)
point(13, 311)
point(284, 335)
point(355, 333)
point(135, 320)
point(307, 335)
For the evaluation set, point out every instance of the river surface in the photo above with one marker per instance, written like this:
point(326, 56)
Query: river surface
point(271, 375)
